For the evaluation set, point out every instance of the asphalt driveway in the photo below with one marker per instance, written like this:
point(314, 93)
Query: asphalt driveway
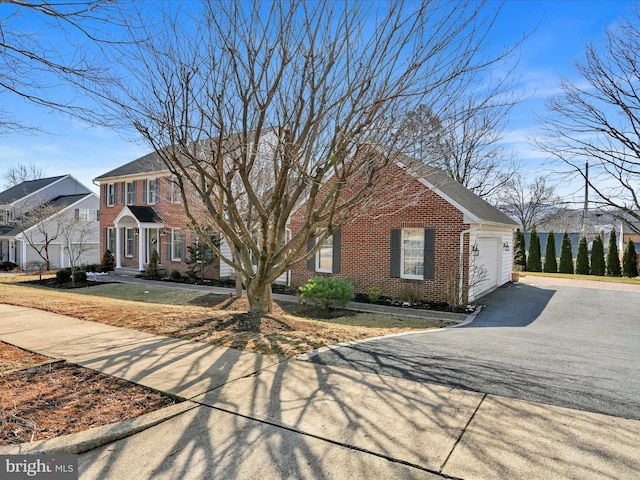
point(564, 346)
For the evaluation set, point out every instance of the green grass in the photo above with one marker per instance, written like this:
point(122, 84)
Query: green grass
point(595, 278)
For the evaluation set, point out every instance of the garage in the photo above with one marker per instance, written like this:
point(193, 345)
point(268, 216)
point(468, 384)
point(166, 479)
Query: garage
point(484, 266)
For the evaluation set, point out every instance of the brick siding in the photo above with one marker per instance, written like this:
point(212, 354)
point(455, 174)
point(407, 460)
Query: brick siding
point(366, 249)
point(173, 216)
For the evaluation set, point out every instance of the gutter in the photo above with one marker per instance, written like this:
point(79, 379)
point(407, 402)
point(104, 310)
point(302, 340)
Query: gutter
point(461, 259)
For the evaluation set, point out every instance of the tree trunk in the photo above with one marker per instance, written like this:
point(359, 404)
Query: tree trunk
point(238, 284)
point(259, 295)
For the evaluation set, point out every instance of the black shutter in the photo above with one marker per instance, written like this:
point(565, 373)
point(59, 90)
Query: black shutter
point(77, 213)
point(122, 199)
point(144, 191)
point(429, 253)
point(336, 251)
point(311, 263)
point(105, 192)
point(396, 239)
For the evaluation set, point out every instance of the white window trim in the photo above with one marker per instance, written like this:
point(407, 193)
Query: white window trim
point(130, 190)
point(174, 191)
point(129, 252)
point(111, 238)
point(402, 253)
point(156, 191)
point(87, 214)
point(173, 244)
point(326, 243)
point(111, 194)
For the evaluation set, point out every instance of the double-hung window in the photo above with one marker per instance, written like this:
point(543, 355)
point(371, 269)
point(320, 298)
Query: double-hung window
point(173, 190)
point(153, 185)
point(129, 242)
point(412, 253)
point(86, 214)
point(324, 257)
point(111, 194)
point(110, 239)
point(131, 193)
point(177, 244)
point(327, 258)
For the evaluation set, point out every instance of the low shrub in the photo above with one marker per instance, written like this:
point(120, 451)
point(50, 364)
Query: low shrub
point(374, 294)
point(175, 276)
point(64, 275)
point(327, 292)
point(79, 276)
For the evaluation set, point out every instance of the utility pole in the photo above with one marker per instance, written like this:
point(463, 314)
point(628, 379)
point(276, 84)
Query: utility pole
point(585, 211)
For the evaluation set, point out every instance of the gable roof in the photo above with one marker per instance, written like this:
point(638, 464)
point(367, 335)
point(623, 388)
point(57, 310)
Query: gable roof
point(145, 214)
point(26, 188)
point(57, 204)
point(457, 194)
point(148, 163)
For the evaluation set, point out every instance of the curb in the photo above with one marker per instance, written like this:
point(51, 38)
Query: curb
point(306, 357)
point(86, 440)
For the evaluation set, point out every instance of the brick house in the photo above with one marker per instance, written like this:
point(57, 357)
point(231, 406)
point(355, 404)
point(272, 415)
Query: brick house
point(141, 211)
point(419, 248)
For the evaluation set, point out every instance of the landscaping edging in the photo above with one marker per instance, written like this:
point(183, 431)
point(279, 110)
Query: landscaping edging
point(84, 441)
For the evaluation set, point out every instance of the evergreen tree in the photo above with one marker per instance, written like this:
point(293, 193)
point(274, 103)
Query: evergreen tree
point(550, 261)
point(597, 256)
point(566, 255)
point(630, 260)
point(519, 254)
point(108, 263)
point(582, 260)
point(613, 257)
point(533, 262)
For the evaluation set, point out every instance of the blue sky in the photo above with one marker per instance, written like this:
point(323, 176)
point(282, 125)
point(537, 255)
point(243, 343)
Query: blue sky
point(562, 29)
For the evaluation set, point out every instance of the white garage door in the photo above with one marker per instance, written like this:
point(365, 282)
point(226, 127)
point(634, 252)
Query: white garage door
point(486, 270)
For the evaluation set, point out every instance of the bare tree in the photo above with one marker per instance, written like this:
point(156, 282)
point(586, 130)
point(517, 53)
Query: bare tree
point(263, 111)
point(596, 120)
point(79, 236)
point(528, 202)
point(40, 229)
point(33, 65)
point(464, 136)
point(21, 173)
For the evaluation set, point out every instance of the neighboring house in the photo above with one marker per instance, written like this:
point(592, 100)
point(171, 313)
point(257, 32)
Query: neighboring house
point(34, 209)
point(417, 250)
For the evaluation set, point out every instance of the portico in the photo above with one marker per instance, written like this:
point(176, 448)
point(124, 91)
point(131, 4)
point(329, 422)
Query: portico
point(137, 234)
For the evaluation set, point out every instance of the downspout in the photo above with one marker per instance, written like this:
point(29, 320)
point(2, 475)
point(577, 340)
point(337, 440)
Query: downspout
point(461, 283)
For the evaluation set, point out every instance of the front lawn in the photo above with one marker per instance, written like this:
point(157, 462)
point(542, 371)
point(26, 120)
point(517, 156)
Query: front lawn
point(289, 331)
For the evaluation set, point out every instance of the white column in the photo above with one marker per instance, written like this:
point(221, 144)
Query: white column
point(118, 248)
point(141, 245)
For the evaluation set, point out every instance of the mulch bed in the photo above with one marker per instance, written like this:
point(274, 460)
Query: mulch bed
point(40, 401)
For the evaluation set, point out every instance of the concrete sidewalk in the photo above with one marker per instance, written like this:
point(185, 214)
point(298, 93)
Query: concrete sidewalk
point(256, 416)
